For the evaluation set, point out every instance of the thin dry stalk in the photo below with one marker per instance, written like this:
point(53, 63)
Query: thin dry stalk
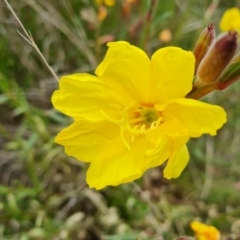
point(155, 213)
point(46, 10)
point(28, 37)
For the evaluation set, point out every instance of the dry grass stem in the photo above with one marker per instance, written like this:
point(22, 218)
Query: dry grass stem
point(46, 10)
point(30, 40)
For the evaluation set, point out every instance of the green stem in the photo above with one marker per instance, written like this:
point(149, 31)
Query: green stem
point(198, 93)
point(147, 24)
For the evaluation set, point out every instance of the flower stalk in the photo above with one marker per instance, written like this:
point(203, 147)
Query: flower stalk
point(146, 27)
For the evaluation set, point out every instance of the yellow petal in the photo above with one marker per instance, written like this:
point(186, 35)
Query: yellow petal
point(126, 70)
point(172, 73)
point(84, 95)
point(195, 116)
point(230, 20)
point(159, 153)
point(116, 164)
point(177, 135)
point(205, 232)
point(176, 163)
point(168, 138)
point(171, 128)
point(84, 140)
point(110, 3)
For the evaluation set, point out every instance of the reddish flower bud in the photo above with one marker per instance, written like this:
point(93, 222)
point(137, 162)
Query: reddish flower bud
point(203, 43)
point(216, 59)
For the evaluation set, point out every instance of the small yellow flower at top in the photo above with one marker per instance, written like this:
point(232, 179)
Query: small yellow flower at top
point(230, 20)
point(109, 3)
point(205, 232)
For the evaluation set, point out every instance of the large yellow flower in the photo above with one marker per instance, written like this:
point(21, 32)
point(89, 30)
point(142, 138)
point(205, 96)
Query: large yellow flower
point(133, 115)
point(205, 232)
point(230, 20)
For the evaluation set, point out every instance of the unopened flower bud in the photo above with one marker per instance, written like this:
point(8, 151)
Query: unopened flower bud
point(216, 59)
point(231, 74)
point(203, 43)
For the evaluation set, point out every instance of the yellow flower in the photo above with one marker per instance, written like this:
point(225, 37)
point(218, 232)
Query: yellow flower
point(109, 3)
point(133, 115)
point(230, 20)
point(205, 232)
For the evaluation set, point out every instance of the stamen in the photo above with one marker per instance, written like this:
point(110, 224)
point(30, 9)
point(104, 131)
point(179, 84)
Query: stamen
point(135, 120)
point(159, 121)
point(128, 107)
point(132, 138)
point(116, 106)
point(153, 125)
point(124, 139)
point(143, 127)
point(118, 121)
point(137, 110)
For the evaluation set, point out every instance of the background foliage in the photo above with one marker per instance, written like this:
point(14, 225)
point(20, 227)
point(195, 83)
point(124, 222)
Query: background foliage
point(43, 194)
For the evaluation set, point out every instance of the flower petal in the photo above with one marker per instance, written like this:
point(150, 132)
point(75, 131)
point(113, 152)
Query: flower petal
point(176, 163)
point(170, 128)
point(205, 232)
point(168, 138)
point(116, 164)
point(110, 3)
point(158, 154)
point(195, 116)
point(172, 73)
point(84, 95)
point(126, 70)
point(84, 140)
point(230, 20)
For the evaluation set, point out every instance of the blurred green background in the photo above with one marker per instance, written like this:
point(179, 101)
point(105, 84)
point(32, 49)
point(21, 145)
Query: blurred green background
point(43, 194)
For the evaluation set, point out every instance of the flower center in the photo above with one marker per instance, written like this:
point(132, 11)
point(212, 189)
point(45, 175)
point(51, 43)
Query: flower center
point(136, 121)
point(149, 116)
point(144, 118)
